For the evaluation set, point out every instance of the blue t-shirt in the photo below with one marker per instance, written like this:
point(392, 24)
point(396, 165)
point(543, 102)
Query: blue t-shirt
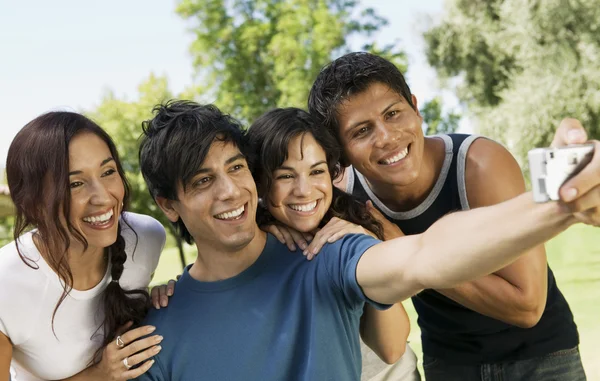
point(283, 318)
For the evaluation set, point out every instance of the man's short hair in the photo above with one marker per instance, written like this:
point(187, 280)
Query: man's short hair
point(175, 143)
point(349, 75)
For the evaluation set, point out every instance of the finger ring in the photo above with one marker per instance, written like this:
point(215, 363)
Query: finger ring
point(126, 363)
point(120, 342)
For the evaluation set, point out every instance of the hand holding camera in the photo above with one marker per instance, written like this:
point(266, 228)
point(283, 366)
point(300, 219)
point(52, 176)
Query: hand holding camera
point(551, 167)
point(580, 192)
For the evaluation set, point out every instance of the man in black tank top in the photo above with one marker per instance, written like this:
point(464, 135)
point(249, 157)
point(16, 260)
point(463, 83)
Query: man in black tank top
point(512, 325)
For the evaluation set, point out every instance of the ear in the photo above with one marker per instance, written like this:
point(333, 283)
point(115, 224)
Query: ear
point(416, 105)
point(167, 206)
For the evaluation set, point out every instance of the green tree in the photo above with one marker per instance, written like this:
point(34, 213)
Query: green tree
point(253, 55)
point(437, 123)
point(122, 120)
point(522, 65)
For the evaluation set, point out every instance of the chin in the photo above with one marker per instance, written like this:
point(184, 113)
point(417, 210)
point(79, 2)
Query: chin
point(241, 240)
point(101, 242)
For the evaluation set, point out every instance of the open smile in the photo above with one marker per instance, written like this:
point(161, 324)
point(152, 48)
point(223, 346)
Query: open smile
point(101, 221)
point(396, 157)
point(305, 209)
point(233, 215)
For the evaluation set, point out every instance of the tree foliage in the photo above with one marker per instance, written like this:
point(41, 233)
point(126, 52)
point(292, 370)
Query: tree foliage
point(437, 123)
point(122, 120)
point(254, 55)
point(523, 65)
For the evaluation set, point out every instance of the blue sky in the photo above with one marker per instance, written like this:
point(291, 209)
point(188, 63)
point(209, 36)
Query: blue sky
point(65, 54)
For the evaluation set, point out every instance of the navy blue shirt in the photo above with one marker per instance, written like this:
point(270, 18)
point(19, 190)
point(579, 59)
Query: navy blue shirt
point(283, 318)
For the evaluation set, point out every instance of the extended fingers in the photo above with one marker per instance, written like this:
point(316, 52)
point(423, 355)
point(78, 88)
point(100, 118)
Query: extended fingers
point(134, 334)
point(282, 234)
point(135, 373)
point(141, 345)
point(159, 295)
point(322, 237)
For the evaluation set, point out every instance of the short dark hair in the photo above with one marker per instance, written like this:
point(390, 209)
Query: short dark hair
point(269, 138)
point(175, 143)
point(349, 75)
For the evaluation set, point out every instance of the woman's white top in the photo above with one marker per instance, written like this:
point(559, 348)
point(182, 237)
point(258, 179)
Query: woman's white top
point(29, 296)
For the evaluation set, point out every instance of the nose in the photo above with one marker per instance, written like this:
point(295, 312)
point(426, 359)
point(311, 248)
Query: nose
point(99, 194)
point(302, 187)
point(227, 189)
point(382, 135)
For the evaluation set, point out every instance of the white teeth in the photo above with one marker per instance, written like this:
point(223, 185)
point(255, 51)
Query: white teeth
point(303, 207)
point(101, 219)
point(229, 215)
point(397, 158)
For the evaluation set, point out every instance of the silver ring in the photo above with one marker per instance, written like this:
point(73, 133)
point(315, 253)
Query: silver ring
point(120, 342)
point(126, 363)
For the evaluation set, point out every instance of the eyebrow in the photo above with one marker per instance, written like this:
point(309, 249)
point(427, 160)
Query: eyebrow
point(104, 162)
point(232, 159)
point(293, 169)
point(383, 112)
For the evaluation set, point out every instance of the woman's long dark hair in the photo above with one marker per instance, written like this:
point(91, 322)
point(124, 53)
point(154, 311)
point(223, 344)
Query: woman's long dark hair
point(37, 169)
point(269, 138)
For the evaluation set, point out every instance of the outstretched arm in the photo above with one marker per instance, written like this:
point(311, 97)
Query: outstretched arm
point(459, 247)
point(467, 245)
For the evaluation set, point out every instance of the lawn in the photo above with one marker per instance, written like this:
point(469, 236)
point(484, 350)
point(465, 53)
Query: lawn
point(574, 256)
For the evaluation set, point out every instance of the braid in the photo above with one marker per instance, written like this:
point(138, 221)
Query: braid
point(120, 306)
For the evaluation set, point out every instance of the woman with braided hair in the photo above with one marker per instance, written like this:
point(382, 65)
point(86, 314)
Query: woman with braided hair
point(73, 288)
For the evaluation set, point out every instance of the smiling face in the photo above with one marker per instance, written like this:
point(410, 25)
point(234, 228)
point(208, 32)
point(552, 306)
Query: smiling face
point(97, 190)
point(218, 205)
point(381, 135)
point(301, 191)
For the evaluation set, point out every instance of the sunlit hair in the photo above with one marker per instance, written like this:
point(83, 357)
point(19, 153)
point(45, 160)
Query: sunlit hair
point(346, 76)
point(37, 169)
point(269, 138)
point(175, 143)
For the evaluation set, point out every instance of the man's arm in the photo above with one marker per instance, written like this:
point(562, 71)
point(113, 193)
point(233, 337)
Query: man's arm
point(517, 293)
point(5, 357)
point(460, 247)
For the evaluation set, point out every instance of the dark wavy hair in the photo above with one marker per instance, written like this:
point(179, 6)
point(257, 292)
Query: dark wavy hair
point(37, 169)
point(269, 138)
point(175, 143)
point(346, 76)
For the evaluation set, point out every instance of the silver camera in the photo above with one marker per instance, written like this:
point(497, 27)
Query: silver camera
point(551, 167)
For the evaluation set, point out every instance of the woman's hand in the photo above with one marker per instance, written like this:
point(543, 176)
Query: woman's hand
point(335, 229)
point(160, 294)
point(128, 350)
point(289, 236)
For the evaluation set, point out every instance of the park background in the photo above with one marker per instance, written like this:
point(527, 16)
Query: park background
point(508, 69)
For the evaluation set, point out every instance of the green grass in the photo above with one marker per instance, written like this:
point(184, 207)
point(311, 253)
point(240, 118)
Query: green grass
point(574, 256)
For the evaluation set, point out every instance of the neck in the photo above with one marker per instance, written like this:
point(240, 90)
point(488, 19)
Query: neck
point(87, 267)
point(401, 198)
point(214, 264)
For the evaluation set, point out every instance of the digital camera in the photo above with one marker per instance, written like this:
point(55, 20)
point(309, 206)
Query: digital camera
point(551, 167)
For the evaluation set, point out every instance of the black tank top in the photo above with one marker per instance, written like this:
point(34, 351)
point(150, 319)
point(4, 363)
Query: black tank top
point(450, 331)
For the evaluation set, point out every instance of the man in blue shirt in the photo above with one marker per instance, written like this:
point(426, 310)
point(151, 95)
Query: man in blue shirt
point(248, 309)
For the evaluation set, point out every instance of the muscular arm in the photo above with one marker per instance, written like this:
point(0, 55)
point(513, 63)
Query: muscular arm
point(515, 294)
point(385, 332)
point(5, 357)
point(450, 252)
